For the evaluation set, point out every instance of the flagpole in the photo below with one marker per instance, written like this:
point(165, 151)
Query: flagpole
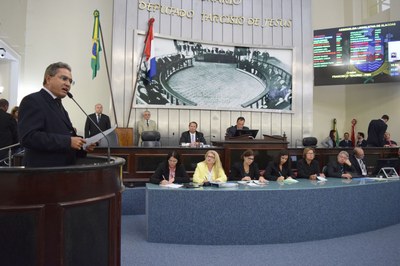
point(108, 74)
point(150, 22)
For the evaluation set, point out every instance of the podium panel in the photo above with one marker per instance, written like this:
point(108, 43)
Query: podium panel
point(62, 215)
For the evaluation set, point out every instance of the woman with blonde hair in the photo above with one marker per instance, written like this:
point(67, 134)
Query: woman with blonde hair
point(209, 170)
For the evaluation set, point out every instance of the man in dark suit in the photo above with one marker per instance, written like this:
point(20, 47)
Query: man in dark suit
point(361, 142)
point(8, 129)
point(346, 142)
point(45, 130)
point(376, 130)
point(341, 167)
point(192, 136)
point(102, 121)
point(357, 160)
point(231, 131)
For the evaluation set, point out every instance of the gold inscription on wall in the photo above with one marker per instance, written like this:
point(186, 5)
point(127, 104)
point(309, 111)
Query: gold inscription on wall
point(168, 10)
point(216, 18)
point(226, 2)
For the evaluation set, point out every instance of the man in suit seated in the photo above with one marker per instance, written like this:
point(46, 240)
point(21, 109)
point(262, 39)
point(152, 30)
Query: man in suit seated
point(192, 136)
point(346, 142)
point(357, 160)
point(102, 121)
point(361, 142)
point(388, 141)
point(341, 168)
point(231, 131)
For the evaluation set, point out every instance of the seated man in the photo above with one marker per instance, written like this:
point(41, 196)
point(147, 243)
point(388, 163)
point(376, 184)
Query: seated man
point(346, 142)
point(361, 142)
point(192, 136)
point(341, 168)
point(231, 131)
point(357, 160)
point(388, 141)
point(145, 124)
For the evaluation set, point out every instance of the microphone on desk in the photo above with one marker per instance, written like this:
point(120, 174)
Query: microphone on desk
point(91, 120)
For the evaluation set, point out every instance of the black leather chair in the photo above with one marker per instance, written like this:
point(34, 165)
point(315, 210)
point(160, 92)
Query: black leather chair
point(151, 139)
point(310, 142)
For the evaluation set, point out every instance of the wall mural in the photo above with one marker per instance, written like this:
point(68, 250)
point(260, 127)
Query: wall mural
point(212, 76)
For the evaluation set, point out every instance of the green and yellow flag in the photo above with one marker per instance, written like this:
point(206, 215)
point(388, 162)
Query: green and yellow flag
point(96, 47)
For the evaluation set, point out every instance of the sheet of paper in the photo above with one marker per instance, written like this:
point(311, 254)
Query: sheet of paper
point(320, 178)
point(172, 185)
point(290, 181)
point(98, 137)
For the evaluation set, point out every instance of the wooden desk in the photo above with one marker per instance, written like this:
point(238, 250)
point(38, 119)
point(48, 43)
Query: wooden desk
point(141, 162)
point(265, 150)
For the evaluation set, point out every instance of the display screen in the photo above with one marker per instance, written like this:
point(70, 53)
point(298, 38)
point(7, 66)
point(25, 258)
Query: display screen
point(360, 54)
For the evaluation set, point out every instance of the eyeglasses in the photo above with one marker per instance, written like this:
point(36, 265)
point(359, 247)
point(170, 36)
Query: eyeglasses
point(172, 161)
point(210, 156)
point(250, 158)
point(310, 153)
point(65, 79)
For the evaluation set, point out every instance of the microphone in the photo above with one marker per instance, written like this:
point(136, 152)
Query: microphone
point(91, 120)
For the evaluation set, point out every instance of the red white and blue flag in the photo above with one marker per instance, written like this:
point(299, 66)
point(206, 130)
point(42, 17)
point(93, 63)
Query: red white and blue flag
point(149, 52)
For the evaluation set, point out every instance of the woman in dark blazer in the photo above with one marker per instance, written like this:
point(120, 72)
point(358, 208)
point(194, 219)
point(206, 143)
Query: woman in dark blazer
point(246, 169)
point(279, 169)
point(308, 167)
point(170, 171)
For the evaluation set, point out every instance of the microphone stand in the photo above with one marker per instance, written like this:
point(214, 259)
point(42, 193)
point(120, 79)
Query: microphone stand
point(91, 120)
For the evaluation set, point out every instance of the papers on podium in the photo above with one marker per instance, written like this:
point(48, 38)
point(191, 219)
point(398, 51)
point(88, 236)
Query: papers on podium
point(98, 137)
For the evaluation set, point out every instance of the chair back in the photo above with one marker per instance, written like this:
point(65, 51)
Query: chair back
point(151, 143)
point(310, 142)
point(151, 136)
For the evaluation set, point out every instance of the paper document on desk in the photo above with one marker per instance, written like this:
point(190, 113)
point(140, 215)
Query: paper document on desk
point(172, 185)
point(290, 181)
point(98, 137)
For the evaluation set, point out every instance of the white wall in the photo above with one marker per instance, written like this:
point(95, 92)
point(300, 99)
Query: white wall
point(62, 31)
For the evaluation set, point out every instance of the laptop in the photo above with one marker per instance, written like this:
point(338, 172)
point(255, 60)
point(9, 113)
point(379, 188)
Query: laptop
point(241, 132)
point(388, 172)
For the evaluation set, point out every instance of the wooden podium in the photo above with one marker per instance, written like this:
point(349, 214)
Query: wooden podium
point(62, 215)
point(125, 136)
point(240, 138)
point(276, 138)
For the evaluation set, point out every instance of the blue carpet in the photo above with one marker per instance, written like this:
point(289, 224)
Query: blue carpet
point(380, 247)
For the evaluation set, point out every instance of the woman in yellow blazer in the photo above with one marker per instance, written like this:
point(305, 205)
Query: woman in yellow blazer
point(209, 170)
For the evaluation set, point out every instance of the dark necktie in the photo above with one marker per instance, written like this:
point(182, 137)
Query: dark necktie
point(147, 121)
point(59, 103)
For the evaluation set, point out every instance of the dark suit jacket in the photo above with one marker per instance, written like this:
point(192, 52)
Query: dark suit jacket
point(304, 170)
point(356, 165)
point(376, 130)
point(231, 131)
point(272, 172)
point(163, 170)
point(334, 169)
point(45, 132)
point(91, 129)
point(8, 132)
point(185, 137)
point(363, 143)
point(237, 171)
point(344, 143)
